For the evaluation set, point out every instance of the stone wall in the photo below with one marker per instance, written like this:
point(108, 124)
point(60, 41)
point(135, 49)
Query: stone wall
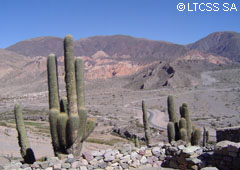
point(230, 134)
point(175, 155)
point(227, 155)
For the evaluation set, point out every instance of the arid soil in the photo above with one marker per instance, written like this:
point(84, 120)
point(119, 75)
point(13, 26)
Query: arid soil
point(213, 103)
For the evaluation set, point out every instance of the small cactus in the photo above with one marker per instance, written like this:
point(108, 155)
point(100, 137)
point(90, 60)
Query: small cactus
point(196, 138)
point(205, 136)
point(171, 109)
point(186, 115)
point(171, 131)
point(182, 123)
point(183, 134)
point(136, 142)
point(26, 151)
point(146, 125)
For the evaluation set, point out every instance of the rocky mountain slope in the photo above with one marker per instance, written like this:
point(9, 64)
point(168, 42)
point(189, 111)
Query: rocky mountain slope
point(225, 44)
point(115, 56)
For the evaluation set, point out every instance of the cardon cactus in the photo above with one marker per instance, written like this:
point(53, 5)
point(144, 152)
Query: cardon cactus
point(171, 132)
point(196, 137)
point(146, 125)
point(26, 151)
point(171, 109)
point(68, 120)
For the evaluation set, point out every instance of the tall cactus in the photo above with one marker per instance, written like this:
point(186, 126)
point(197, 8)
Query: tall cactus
point(26, 151)
point(146, 125)
point(171, 110)
point(68, 120)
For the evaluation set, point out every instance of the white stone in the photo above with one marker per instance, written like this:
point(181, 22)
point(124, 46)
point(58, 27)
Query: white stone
point(83, 168)
point(143, 160)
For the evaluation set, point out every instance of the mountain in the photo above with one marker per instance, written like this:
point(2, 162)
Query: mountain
point(137, 49)
point(145, 64)
point(41, 46)
point(10, 61)
point(226, 44)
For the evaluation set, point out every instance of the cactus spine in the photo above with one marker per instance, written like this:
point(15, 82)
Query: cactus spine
point(68, 120)
point(145, 124)
point(171, 132)
point(26, 151)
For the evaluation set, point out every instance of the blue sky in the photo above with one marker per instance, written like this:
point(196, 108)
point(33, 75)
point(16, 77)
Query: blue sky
point(151, 19)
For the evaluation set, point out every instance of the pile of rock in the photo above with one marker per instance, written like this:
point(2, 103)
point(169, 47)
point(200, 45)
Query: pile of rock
point(227, 155)
point(123, 158)
point(185, 158)
point(174, 155)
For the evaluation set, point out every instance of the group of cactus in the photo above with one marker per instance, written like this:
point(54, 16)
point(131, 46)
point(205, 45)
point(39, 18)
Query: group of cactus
point(69, 125)
point(182, 129)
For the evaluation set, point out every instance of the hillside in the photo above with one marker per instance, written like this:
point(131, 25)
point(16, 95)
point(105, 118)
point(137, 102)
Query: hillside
point(226, 44)
point(140, 50)
point(10, 61)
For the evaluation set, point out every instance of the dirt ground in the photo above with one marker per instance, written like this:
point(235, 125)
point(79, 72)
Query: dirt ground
point(214, 103)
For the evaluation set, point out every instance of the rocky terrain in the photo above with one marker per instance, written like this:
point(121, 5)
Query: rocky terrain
point(120, 72)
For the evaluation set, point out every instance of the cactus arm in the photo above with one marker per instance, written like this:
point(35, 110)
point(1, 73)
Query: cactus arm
point(52, 82)
point(53, 117)
point(186, 115)
point(171, 131)
point(70, 75)
point(61, 130)
point(90, 126)
point(171, 109)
